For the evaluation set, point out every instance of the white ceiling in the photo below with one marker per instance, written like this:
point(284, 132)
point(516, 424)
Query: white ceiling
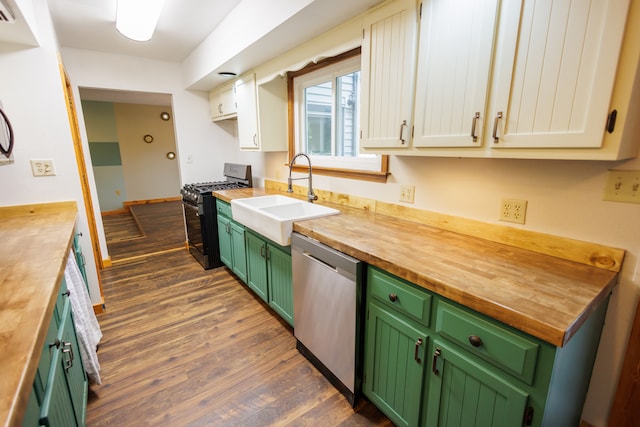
point(183, 25)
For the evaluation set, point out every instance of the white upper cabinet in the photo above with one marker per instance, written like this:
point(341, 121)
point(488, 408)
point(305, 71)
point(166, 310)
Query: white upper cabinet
point(454, 64)
point(222, 102)
point(246, 102)
point(388, 62)
point(262, 114)
point(554, 77)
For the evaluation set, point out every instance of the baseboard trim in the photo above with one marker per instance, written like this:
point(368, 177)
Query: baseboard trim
point(149, 201)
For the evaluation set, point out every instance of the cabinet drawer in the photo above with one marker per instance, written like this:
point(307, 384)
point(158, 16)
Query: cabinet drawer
point(396, 293)
point(223, 208)
point(496, 344)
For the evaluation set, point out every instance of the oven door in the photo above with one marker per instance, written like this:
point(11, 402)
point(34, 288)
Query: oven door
point(194, 222)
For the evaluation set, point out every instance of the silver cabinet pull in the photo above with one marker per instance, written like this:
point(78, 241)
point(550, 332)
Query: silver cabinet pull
point(402, 126)
point(476, 116)
point(495, 127)
point(66, 348)
point(220, 108)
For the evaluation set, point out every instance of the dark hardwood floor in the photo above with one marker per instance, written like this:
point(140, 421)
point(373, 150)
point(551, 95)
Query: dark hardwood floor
point(184, 346)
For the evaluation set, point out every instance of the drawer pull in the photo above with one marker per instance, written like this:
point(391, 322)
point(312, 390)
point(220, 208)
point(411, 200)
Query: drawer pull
point(393, 297)
point(475, 340)
point(434, 363)
point(415, 355)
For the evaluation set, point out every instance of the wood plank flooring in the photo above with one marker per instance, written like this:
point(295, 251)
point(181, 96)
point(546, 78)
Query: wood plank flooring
point(184, 346)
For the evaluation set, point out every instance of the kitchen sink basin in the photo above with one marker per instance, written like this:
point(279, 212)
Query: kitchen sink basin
point(273, 216)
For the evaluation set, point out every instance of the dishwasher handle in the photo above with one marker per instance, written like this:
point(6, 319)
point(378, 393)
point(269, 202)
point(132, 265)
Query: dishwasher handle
point(318, 260)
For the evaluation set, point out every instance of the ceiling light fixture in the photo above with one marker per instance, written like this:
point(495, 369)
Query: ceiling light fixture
point(227, 74)
point(137, 19)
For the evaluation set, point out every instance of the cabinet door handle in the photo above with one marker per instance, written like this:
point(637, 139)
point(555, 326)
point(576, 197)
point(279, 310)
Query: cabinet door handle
point(220, 108)
point(495, 127)
point(434, 364)
point(475, 340)
point(255, 139)
point(66, 348)
point(393, 297)
point(263, 251)
point(403, 125)
point(415, 354)
point(474, 121)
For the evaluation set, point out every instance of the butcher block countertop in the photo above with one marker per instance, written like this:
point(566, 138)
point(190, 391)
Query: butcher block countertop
point(543, 295)
point(36, 240)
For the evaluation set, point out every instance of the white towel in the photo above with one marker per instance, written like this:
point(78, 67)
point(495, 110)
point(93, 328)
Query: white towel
point(84, 319)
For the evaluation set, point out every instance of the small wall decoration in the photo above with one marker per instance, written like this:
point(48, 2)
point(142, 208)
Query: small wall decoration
point(148, 138)
point(171, 155)
point(165, 116)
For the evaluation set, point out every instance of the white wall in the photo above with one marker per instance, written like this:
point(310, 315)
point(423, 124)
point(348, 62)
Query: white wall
point(31, 91)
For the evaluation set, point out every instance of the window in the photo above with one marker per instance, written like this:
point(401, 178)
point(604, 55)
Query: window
point(325, 119)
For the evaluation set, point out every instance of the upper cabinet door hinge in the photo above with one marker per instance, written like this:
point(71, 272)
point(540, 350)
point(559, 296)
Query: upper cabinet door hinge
point(611, 121)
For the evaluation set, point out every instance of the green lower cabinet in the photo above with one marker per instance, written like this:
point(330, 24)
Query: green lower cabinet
point(463, 392)
point(232, 246)
point(64, 395)
point(269, 274)
point(280, 281)
point(477, 371)
point(394, 365)
point(257, 266)
point(224, 240)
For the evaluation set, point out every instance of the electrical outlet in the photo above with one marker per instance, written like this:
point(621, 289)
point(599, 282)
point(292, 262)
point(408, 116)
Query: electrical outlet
point(43, 167)
point(407, 193)
point(513, 210)
point(622, 186)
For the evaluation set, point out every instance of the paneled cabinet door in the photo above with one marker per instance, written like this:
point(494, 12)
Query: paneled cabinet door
point(246, 100)
point(224, 237)
point(463, 392)
point(257, 265)
point(388, 59)
point(454, 61)
point(394, 365)
point(73, 367)
point(280, 282)
point(238, 251)
point(554, 77)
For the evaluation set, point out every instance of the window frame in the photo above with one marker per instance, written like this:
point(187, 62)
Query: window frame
point(366, 175)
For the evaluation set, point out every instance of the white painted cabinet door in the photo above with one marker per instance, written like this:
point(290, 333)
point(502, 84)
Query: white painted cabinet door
point(553, 83)
point(454, 61)
point(388, 61)
point(247, 113)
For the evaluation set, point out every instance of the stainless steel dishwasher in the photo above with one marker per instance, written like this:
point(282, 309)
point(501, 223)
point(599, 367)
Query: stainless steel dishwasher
point(327, 305)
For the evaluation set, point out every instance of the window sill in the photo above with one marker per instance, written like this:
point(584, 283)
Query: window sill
point(373, 176)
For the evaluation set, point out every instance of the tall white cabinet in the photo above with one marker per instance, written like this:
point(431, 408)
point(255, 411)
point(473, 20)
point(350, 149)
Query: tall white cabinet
point(388, 62)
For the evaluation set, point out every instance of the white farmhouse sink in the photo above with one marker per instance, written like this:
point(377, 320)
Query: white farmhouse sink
point(273, 216)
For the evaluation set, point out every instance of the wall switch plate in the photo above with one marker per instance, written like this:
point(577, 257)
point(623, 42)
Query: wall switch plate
point(43, 167)
point(513, 210)
point(622, 186)
point(407, 193)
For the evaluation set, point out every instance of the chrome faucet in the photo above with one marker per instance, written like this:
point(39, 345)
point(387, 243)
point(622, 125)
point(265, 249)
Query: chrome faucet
point(310, 194)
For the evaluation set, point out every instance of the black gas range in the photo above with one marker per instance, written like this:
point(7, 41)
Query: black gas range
point(201, 216)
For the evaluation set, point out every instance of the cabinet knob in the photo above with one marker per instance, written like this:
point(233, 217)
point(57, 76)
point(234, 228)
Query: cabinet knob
point(475, 340)
point(67, 292)
point(393, 297)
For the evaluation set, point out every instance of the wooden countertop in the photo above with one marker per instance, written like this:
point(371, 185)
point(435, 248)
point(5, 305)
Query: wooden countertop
point(546, 296)
point(36, 240)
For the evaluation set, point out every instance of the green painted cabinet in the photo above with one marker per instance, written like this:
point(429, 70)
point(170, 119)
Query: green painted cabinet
point(269, 273)
point(394, 364)
point(462, 392)
point(60, 387)
point(232, 241)
point(464, 368)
